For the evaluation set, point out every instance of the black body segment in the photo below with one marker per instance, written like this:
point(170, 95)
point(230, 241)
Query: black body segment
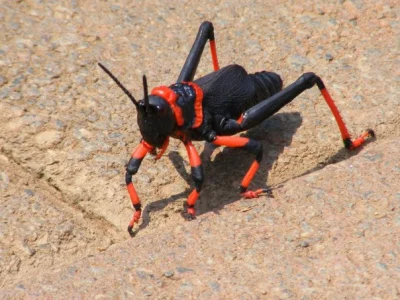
point(229, 92)
point(267, 84)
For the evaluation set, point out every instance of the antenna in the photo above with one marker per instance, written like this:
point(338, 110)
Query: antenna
point(146, 96)
point(120, 85)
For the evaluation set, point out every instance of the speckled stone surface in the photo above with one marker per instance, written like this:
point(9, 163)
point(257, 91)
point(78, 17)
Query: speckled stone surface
point(331, 234)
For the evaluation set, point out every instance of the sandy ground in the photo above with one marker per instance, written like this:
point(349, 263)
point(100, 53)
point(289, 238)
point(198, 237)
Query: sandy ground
point(68, 131)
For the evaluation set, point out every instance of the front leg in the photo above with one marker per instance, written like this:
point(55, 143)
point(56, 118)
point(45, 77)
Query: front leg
point(206, 32)
point(131, 169)
point(198, 178)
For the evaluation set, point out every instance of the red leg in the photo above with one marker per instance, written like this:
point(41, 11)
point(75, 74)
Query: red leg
point(213, 49)
point(197, 176)
point(131, 169)
point(339, 120)
point(264, 109)
point(251, 146)
point(206, 33)
point(163, 148)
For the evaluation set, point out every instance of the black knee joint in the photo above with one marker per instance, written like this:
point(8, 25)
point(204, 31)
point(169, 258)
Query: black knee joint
point(198, 177)
point(308, 79)
point(209, 28)
point(312, 79)
point(128, 178)
point(132, 168)
point(255, 148)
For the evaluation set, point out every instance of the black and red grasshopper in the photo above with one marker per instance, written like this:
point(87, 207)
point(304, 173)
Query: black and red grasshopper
point(213, 108)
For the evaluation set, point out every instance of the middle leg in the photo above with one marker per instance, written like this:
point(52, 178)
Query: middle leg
point(206, 33)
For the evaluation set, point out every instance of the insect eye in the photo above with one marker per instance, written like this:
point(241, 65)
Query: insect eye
point(161, 111)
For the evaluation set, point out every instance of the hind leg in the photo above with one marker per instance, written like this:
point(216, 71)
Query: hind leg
point(270, 106)
point(265, 109)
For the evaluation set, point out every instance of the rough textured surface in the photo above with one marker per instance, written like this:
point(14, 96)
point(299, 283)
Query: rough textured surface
point(67, 132)
point(330, 234)
point(38, 230)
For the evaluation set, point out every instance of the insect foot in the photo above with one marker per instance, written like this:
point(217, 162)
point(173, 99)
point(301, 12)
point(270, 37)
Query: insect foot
point(188, 212)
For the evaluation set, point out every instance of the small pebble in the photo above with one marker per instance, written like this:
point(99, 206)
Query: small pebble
point(28, 250)
point(215, 286)
point(328, 57)
point(4, 93)
point(33, 92)
point(115, 8)
point(169, 274)
point(382, 266)
point(184, 270)
point(59, 125)
point(3, 81)
point(304, 244)
point(147, 293)
point(16, 96)
point(29, 192)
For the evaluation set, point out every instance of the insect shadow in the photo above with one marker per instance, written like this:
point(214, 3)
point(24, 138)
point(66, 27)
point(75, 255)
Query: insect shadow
point(224, 174)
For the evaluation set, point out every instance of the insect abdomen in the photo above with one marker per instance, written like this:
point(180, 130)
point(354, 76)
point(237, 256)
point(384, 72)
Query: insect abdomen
point(266, 84)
